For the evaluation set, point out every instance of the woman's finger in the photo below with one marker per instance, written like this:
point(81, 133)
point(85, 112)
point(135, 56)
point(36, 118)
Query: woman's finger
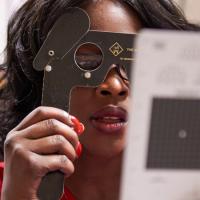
point(43, 113)
point(56, 144)
point(48, 128)
point(50, 163)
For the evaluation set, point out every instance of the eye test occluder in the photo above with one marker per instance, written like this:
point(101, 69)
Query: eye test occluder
point(73, 55)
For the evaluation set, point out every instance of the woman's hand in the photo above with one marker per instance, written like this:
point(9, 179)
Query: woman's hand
point(46, 140)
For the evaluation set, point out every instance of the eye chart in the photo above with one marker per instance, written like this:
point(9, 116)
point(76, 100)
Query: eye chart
point(162, 160)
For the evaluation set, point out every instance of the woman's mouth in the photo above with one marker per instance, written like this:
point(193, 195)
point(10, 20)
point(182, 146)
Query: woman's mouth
point(110, 119)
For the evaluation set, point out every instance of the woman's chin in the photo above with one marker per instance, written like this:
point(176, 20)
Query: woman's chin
point(96, 141)
point(104, 151)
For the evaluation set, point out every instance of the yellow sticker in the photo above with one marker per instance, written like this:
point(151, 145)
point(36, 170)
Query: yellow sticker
point(116, 49)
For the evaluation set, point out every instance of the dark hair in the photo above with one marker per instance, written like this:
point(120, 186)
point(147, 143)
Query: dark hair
point(28, 29)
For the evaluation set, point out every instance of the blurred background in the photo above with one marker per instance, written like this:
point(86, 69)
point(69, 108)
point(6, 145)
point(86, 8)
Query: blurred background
point(191, 9)
point(6, 9)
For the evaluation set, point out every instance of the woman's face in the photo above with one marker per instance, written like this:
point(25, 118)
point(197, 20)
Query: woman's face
point(104, 109)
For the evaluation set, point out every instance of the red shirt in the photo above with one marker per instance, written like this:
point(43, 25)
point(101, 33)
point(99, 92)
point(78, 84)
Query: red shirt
point(66, 196)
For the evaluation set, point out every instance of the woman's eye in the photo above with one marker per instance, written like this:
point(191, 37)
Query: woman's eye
point(88, 56)
point(88, 62)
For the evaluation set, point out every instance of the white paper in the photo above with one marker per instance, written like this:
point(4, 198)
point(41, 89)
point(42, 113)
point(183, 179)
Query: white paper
point(167, 67)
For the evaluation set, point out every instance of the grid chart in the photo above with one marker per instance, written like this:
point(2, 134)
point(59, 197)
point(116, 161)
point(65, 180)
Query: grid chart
point(174, 139)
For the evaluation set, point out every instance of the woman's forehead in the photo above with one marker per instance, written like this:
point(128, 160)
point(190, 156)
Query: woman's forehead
point(112, 16)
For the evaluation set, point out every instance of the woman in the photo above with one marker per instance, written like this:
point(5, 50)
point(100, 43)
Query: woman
point(47, 139)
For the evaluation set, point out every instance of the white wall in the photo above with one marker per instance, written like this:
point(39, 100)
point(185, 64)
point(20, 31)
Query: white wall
point(7, 7)
point(191, 9)
point(3, 24)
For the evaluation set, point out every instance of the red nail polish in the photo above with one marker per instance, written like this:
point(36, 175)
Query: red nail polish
point(75, 120)
point(78, 126)
point(80, 129)
point(79, 150)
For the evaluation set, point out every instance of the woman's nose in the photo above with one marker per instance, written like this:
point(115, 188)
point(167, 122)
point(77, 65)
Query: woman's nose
point(113, 86)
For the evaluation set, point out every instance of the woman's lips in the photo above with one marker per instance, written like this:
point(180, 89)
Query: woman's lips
point(110, 119)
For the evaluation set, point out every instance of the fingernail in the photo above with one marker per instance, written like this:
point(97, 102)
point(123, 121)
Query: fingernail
point(75, 121)
point(80, 129)
point(79, 150)
point(78, 126)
